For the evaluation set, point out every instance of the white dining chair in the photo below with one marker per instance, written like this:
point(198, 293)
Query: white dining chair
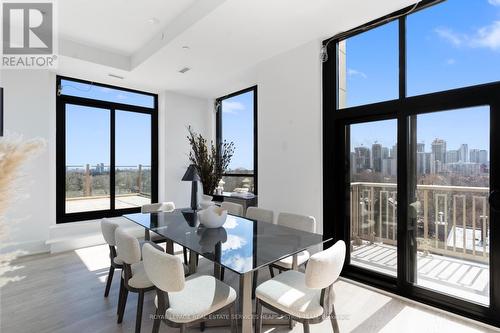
point(108, 228)
point(307, 298)
point(158, 207)
point(299, 222)
point(232, 208)
point(167, 206)
point(260, 214)
point(134, 278)
point(182, 302)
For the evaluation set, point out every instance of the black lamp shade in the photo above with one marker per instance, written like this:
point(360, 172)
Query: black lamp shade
point(191, 174)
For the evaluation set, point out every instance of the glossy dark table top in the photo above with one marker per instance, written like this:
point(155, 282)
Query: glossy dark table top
point(241, 245)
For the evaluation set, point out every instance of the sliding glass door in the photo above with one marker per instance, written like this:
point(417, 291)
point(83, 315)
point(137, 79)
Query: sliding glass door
point(411, 169)
point(449, 212)
point(106, 150)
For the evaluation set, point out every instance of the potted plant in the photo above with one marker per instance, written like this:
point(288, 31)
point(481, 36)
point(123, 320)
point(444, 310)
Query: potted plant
point(211, 161)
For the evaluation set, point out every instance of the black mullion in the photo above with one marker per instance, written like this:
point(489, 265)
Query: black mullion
point(255, 141)
point(402, 57)
point(112, 160)
point(494, 241)
point(154, 153)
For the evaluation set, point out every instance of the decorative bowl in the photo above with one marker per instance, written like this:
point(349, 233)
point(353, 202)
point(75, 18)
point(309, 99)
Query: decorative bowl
point(212, 217)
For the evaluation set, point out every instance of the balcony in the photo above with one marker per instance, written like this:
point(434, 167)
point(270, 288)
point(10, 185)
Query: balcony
point(88, 187)
point(452, 236)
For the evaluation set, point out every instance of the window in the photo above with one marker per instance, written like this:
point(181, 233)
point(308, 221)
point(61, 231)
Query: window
point(411, 160)
point(106, 150)
point(237, 122)
point(455, 43)
point(372, 79)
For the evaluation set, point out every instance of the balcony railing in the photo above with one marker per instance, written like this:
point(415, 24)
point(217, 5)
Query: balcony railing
point(450, 220)
point(83, 181)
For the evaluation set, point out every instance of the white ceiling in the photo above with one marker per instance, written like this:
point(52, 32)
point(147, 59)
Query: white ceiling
point(120, 26)
point(225, 37)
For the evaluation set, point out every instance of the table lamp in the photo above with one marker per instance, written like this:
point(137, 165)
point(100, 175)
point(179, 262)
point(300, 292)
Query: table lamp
point(193, 176)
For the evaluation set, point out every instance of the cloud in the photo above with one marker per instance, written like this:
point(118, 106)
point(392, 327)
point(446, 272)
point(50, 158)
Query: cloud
point(450, 36)
point(233, 243)
point(485, 37)
point(488, 37)
point(494, 2)
point(451, 61)
point(232, 107)
point(353, 72)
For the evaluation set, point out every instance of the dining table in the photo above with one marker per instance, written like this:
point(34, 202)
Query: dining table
point(241, 245)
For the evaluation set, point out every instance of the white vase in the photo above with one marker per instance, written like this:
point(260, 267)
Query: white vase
point(212, 217)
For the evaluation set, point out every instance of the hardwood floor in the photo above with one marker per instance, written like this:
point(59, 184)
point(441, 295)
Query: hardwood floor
point(64, 293)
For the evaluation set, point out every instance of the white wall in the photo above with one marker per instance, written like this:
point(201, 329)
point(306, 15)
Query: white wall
point(290, 132)
point(29, 106)
point(180, 112)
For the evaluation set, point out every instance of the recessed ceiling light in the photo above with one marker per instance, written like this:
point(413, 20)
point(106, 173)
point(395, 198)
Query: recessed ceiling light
point(184, 70)
point(153, 20)
point(185, 47)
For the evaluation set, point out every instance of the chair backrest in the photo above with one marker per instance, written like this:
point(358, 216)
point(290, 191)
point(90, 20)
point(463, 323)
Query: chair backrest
point(158, 207)
point(260, 214)
point(164, 270)
point(232, 208)
point(300, 222)
point(323, 268)
point(127, 247)
point(108, 228)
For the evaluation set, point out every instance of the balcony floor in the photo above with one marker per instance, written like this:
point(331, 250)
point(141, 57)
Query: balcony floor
point(102, 203)
point(457, 277)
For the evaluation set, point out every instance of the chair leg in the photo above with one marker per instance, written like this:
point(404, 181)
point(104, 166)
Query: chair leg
point(258, 310)
point(123, 305)
point(109, 280)
point(290, 322)
point(185, 253)
point(138, 318)
point(333, 319)
point(202, 326)
point(271, 271)
point(120, 297)
point(157, 322)
point(222, 270)
point(232, 318)
point(182, 329)
point(306, 327)
point(254, 282)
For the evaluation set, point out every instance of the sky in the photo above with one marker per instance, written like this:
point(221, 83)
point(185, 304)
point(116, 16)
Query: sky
point(88, 128)
point(450, 45)
point(237, 126)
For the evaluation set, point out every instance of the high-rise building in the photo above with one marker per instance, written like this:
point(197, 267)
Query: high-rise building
point(452, 156)
point(463, 153)
point(377, 157)
point(483, 156)
point(420, 147)
point(430, 167)
point(394, 151)
point(439, 150)
point(385, 152)
point(420, 163)
point(362, 158)
point(474, 155)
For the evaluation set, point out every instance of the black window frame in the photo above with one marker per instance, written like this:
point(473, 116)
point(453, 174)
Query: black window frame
point(61, 101)
point(218, 131)
point(403, 109)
